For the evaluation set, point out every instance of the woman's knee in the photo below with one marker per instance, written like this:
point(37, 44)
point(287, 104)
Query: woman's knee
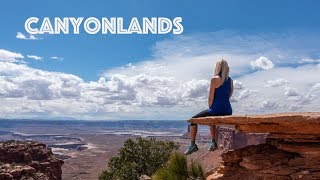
point(192, 124)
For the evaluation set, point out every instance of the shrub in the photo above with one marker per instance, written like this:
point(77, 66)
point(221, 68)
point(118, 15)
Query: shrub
point(177, 169)
point(138, 157)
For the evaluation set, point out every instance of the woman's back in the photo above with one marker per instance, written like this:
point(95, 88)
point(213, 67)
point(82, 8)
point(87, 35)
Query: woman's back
point(221, 104)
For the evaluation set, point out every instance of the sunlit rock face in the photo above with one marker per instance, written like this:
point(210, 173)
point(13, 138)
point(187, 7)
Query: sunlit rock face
point(28, 160)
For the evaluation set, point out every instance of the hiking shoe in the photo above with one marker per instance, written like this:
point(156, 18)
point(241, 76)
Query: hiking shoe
point(191, 149)
point(212, 146)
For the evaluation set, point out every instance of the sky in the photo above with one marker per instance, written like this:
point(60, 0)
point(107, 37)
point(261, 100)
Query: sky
point(273, 49)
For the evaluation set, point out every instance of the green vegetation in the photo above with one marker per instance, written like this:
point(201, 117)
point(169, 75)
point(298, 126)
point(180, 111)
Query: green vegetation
point(138, 157)
point(177, 169)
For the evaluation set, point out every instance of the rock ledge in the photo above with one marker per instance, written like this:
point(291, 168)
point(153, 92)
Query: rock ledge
point(291, 151)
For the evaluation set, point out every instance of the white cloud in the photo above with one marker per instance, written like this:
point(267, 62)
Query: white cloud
point(262, 63)
point(195, 89)
point(290, 92)
point(20, 36)
point(278, 95)
point(9, 56)
point(57, 58)
point(25, 37)
point(238, 85)
point(244, 94)
point(316, 86)
point(269, 104)
point(309, 60)
point(173, 84)
point(34, 57)
point(277, 82)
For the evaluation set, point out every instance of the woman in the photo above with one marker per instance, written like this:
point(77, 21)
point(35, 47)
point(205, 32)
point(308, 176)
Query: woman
point(221, 89)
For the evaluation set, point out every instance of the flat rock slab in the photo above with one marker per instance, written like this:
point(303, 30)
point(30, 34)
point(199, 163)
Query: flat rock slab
point(303, 123)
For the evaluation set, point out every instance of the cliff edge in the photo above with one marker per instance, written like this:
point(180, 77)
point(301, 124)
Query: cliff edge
point(291, 150)
point(28, 160)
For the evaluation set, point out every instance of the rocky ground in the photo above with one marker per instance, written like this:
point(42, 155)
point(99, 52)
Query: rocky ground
point(28, 160)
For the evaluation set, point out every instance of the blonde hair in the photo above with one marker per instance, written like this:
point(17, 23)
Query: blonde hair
point(222, 70)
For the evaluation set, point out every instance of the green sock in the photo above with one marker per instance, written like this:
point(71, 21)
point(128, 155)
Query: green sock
point(193, 142)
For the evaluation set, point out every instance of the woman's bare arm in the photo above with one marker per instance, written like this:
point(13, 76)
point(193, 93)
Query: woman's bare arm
point(231, 92)
point(211, 91)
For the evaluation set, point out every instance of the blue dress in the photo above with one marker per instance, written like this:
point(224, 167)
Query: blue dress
point(221, 103)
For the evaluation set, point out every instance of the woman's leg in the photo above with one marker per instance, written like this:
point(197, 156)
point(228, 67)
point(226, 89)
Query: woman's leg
point(213, 145)
point(193, 133)
point(213, 132)
point(193, 129)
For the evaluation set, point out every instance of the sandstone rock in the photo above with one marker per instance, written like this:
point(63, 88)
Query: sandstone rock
point(301, 175)
point(297, 161)
point(229, 138)
point(27, 170)
point(28, 160)
point(258, 163)
point(290, 123)
point(5, 175)
point(262, 161)
point(16, 173)
point(305, 149)
point(232, 156)
point(281, 170)
point(291, 149)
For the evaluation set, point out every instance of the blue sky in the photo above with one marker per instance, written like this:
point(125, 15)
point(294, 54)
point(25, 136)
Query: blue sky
point(253, 33)
point(87, 55)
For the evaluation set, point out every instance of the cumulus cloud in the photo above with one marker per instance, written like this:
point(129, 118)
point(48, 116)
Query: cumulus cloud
point(9, 56)
point(316, 86)
point(22, 36)
point(269, 104)
point(277, 82)
point(18, 80)
point(34, 57)
point(262, 63)
point(117, 93)
point(290, 92)
point(278, 94)
point(173, 84)
point(238, 85)
point(195, 89)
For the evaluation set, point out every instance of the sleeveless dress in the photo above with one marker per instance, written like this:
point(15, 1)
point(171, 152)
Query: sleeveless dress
point(221, 104)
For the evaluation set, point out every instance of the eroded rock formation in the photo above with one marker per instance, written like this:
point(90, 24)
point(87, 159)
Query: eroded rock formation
point(229, 138)
point(291, 151)
point(28, 160)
